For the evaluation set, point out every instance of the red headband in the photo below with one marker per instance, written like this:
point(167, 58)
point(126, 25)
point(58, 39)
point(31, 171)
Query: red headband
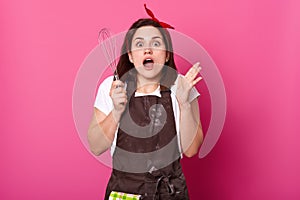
point(163, 24)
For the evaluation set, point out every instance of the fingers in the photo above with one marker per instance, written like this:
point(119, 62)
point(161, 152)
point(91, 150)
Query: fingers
point(120, 102)
point(117, 84)
point(193, 73)
point(118, 95)
point(196, 80)
point(117, 87)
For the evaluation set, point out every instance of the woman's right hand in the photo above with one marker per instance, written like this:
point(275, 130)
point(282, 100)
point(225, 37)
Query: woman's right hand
point(119, 98)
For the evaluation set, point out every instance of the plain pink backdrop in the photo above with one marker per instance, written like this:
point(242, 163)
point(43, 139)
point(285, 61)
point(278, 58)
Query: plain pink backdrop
point(253, 43)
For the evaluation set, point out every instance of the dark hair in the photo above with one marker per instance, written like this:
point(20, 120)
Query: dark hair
point(125, 68)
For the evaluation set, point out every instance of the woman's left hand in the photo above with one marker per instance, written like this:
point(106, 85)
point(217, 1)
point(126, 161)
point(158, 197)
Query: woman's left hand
point(186, 83)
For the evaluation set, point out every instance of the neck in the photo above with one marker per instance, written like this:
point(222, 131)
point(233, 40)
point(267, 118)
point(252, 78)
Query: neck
point(148, 87)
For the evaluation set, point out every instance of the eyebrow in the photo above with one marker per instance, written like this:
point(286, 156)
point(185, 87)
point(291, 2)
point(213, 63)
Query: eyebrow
point(155, 37)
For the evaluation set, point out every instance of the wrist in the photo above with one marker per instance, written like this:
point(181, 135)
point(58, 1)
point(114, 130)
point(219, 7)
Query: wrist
point(116, 115)
point(185, 106)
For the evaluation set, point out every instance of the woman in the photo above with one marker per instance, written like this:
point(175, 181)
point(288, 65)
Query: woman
point(148, 118)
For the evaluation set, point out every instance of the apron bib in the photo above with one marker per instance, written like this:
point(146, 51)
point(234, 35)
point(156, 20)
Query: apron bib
point(146, 160)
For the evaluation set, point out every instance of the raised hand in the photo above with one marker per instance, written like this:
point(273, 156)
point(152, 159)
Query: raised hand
point(186, 83)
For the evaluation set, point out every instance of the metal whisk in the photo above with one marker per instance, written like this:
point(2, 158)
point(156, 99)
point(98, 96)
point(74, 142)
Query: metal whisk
point(108, 45)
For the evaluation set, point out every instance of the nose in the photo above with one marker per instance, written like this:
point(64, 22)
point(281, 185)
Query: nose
point(148, 50)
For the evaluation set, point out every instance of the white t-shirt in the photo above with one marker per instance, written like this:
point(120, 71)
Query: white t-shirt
point(104, 103)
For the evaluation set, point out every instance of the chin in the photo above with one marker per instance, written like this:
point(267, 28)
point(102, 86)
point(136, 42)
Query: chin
point(151, 76)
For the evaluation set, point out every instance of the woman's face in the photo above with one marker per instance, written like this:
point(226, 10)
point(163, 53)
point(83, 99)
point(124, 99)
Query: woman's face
point(148, 53)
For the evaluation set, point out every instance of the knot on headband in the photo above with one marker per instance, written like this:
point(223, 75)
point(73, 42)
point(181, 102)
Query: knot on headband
point(163, 24)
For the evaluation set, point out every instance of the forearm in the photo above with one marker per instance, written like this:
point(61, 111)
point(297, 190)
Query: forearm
point(190, 128)
point(101, 134)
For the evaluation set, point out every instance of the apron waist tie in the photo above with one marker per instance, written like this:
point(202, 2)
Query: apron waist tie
point(166, 180)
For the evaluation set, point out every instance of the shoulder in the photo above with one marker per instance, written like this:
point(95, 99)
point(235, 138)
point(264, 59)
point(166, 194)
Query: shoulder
point(106, 83)
point(103, 101)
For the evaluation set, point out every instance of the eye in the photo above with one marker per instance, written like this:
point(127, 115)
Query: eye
point(156, 44)
point(139, 44)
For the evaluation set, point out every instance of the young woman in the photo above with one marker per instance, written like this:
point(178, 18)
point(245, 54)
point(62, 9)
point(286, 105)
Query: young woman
point(148, 118)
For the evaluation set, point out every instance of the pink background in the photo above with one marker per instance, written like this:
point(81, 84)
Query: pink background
point(253, 43)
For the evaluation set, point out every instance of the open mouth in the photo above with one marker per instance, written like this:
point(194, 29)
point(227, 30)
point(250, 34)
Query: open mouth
point(148, 63)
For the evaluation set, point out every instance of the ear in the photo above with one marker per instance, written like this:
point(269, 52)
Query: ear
point(130, 57)
point(168, 57)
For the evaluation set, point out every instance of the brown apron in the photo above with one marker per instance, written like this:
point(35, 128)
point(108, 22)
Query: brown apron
point(146, 160)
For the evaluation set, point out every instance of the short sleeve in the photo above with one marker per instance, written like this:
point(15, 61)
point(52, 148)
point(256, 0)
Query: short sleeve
point(193, 94)
point(103, 101)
